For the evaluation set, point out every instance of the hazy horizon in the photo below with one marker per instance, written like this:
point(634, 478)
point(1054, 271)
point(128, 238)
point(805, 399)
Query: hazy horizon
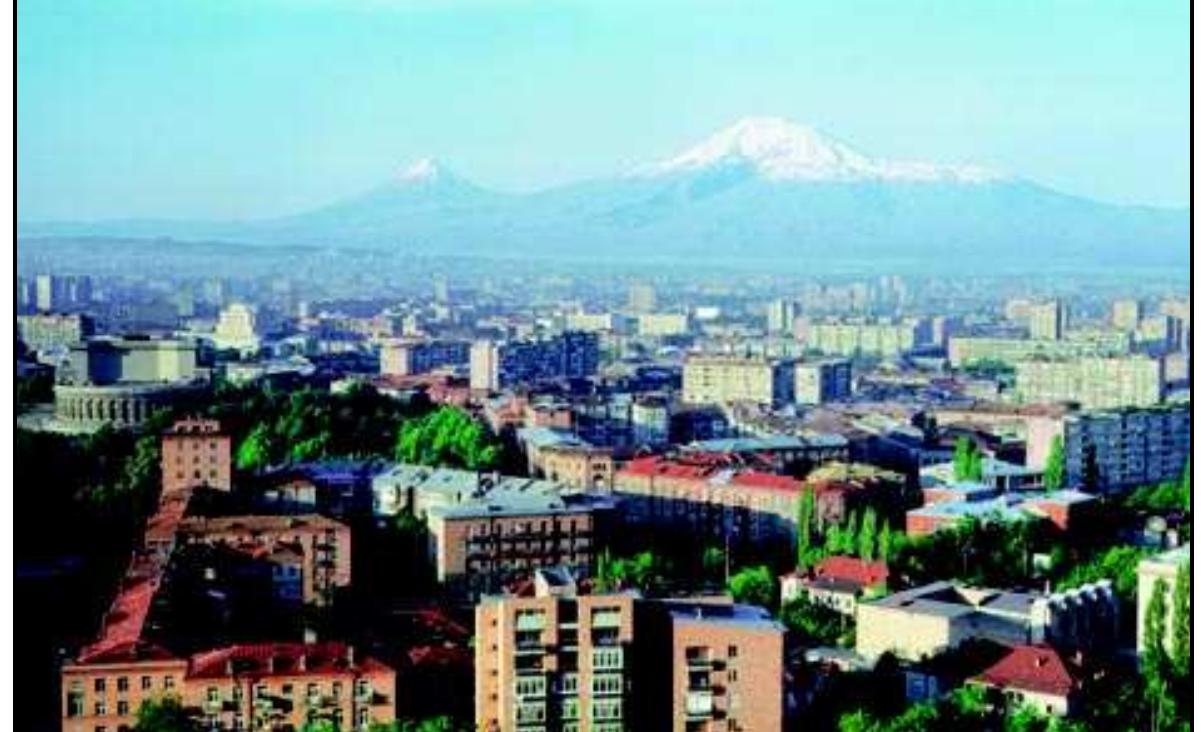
point(258, 109)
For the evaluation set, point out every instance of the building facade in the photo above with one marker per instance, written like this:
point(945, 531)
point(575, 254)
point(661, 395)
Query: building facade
point(569, 355)
point(1094, 383)
point(820, 382)
point(409, 357)
point(196, 452)
point(726, 379)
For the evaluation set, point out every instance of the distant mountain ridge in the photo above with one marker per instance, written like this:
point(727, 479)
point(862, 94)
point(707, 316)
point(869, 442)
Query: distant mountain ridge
point(763, 188)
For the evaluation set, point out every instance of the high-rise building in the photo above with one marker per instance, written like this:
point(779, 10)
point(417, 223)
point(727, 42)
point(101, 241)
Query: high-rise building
point(404, 357)
point(1048, 320)
point(1126, 314)
point(1094, 383)
point(559, 659)
point(49, 331)
point(780, 316)
point(568, 355)
point(1125, 448)
point(441, 289)
point(819, 382)
point(642, 297)
point(51, 293)
point(884, 339)
point(727, 379)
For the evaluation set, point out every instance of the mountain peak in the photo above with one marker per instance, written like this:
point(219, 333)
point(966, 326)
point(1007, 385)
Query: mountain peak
point(422, 171)
point(778, 149)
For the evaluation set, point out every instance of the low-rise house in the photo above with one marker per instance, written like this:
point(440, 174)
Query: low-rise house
point(836, 582)
point(1037, 676)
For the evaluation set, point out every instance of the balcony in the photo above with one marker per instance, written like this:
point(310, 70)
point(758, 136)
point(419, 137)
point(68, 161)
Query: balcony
point(699, 704)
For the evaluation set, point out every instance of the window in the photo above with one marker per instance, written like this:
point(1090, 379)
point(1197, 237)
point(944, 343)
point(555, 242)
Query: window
point(99, 685)
point(286, 690)
point(122, 708)
point(146, 683)
point(75, 703)
point(732, 652)
point(101, 708)
point(168, 682)
point(122, 684)
point(337, 689)
point(213, 694)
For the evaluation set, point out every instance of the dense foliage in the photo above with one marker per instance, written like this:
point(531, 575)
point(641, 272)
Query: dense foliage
point(814, 624)
point(967, 462)
point(1055, 471)
point(754, 586)
point(447, 437)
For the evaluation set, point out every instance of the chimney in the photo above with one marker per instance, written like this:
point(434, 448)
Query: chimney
point(310, 635)
point(350, 655)
point(302, 661)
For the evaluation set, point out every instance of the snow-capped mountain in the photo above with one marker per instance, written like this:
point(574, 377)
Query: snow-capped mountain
point(762, 189)
point(781, 150)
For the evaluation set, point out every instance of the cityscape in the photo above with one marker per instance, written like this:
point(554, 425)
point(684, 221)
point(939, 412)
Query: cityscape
point(762, 432)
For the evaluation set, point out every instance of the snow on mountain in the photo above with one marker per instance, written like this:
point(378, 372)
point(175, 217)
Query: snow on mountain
point(424, 170)
point(778, 149)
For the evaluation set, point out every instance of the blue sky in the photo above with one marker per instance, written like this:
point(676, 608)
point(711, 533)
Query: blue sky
point(245, 108)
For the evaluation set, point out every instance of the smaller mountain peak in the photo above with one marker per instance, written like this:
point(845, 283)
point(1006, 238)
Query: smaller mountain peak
point(422, 171)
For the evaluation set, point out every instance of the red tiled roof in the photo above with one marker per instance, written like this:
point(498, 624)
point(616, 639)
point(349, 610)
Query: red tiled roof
point(1038, 669)
point(852, 569)
point(279, 659)
point(757, 479)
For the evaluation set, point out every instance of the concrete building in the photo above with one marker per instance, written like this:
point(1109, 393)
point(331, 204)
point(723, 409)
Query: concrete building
point(322, 544)
point(1048, 320)
point(780, 316)
point(560, 659)
point(1129, 447)
point(1093, 383)
point(821, 382)
point(238, 329)
point(195, 453)
point(131, 360)
point(1126, 314)
point(407, 357)
point(726, 379)
point(650, 420)
point(642, 297)
point(44, 332)
point(659, 325)
point(569, 355)
point(966, 350)
point(883, 339)
point(925, 621)
point(239, 687)
point(560, 456)
point(555, 661)
point(1160, 568)
point(836, 582)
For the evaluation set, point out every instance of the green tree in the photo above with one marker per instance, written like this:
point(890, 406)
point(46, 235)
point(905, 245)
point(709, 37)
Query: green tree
point(1182, 617)
point(884, 545)
point(850, 535)
point(713, 561)
point(867, 535)
point(447, 437)
point(1055, 473)
point(806, 527)
point(966, 461)
point(255, 451)
point(1153, 626)
point(754, 585)
point(164, 715)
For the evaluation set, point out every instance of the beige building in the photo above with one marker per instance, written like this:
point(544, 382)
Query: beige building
point(1161, 568)
point(554, 661)
point(1126, 314)
point(1048, 320)
point(886, 339)
point(726, 379)
point(925, 621)
point(1094, 383)
point(195, 452)
point(663, 324)
point(237, 328)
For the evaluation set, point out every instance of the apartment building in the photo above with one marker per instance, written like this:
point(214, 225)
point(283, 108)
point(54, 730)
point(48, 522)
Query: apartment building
point(568, 355)
point(883, 339)
point(195, 453)
point(1048, 320)
point(560, 659)
point(727, 379)
point(239, 687)
point(44, 332)
point(319, 546)
point(1125, 448)
point(822, 381)
point(560, 456)
point(1094, 383)
point(555, 661)
point(409, 357)
point(966, 350)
